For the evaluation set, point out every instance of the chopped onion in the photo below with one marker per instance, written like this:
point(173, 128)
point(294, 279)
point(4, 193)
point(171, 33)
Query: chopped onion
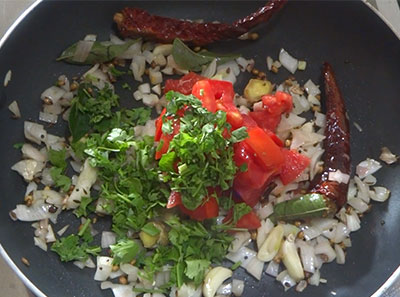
point(387, 156)
point(28, 168)
point(213, 279)
point(157, 89)
point(48, 117)
point(358, 204)
point(225, 289)
point(311, 232)
point(30, 188)
point(324, 248)
point(301, 286)
point(107, 239)
point(241, 239)
point(285, 279)
point(50, 237)
point(150, 99)
point(237, 287)
point(131, 271)
point(32, 213)
point(104, 267)
point(255, 268)
point(339, 177)
point(30, 152)
point(287, 61)
point(314, 280)
point(62, 230)
point(115, 40)
point(270, 61)
point(138, 95)
point(311, 88)
point(367, 167)
point(7, 78)
point(160, 60)
point(138, 66)
point(144, 88)
point(53, 93)
point(163, 49)
point(370, 180)
point(272, 268)
point(307, 256)
point(210, 70)
point(155, 76)
point(353, 222)
point(14, 108)
point(380, 194)
point(263, 231)
point(363, 190)
point(243, 255)
point(340, 256)
point(118, 289)
point(35, 132)
point(39, 242)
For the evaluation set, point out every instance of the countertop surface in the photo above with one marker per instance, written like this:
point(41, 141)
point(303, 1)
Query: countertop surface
point(10, 284)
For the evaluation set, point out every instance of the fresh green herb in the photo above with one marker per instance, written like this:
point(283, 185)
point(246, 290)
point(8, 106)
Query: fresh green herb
point(190, 60)
point(60, 180)
point(76, 247)
point(115, 72)
point(83, 210)
point(239, 135)
point(239, 210)
point(124, 251)
point(18, 145)
point(151, 229)
point(57, 158)
point(203, 156)
point(99, 53)
point(196, 269)
point(236, 265)
point(126, 86)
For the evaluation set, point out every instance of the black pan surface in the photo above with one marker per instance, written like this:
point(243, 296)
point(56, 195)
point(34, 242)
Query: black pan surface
point(362, 49)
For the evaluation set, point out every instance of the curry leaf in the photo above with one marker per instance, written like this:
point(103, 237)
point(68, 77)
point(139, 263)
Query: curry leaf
point(190, 60)
point(99, 52)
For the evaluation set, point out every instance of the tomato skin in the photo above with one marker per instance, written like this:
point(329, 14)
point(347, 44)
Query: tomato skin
point(207, 210)
point(157, 135)
point(183, 85)
point(249, 221)
point(265, 149)
point(174, 199)
point(165, 139)
point(204, 91)
point(294, 164)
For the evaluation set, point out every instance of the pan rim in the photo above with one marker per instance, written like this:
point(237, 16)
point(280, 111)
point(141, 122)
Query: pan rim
point(35, 290)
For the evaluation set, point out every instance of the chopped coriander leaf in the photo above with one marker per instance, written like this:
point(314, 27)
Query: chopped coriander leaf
point(196, 269)
point(239, 135)
point(239, 210)
point(18, 145)
point(203, 155)
point(115, 72)
point(236, 265)
point(82, 210)
point(124, 251)
point(126, 86)
point(151, 229)
point(57, 158)
point(243, 167)
point(60, 180)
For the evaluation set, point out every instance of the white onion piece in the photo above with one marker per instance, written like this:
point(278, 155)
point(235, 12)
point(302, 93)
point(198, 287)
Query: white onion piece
point(53, 93)
point(380, 194)
point(186, 290)
point(324, 248)
point(119, 290)
point(241, 239)
point(225, 289)
point(237, 287)
point(62, 230)
point(258, 106)
point(150, 99)
point(155, 76)
point(50, 237)
point(285, 279)
point(323, 223)
point(115, 40)
point(338, 176)
point(243, 255)
point(39, 242)
point(160, 60)
point(230, 66)
point(31, 187)
point(168, 70)
point(311, 88)
point(115, 274)
point(7, 78)
point(307, 256)
point(363, 190)
point(265, 211)
point(387, 156)
point(255, 268)
point(313, 100)
point(85, 181)
point(340, 256)
point(210, 70)
point(341, 232)
point(28, 168)
point(131, 271)
point(104, 267)
point(263, 231)
point(34, 132)
point(287, 61)
point(314, 280)
point(48, 117)
point(290, 122)
point(133, 51)
point(46, 178)
point(163, 49)
point(244, 109)
point(82, 51)
point(30, 152)
point(138, 66)
point(157, 89)
point(320, 119)
point(14, 108)
point(269, 61)
point(144, 88)
point(272, 269)
point(358, 204)
point(213, 279)
point(311, 232)
point(301, 286)
point(79, 264)
point(54, 142)
point(370, 180)
point(107, 239)
point(352, 221)
point(367, 167)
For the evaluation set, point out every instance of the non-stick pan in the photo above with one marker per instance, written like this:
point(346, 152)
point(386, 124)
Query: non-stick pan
point(364, 52)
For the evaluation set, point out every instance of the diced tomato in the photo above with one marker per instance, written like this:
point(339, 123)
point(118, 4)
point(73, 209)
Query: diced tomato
point(223, 90)
point(294, 164)
point(274, 106)
point(165, 139)
point(265, 149)
point(157, 135)
point(207, 210)
point(249, 221)
point(174, 199)
point(204, 91)
point(183, 85)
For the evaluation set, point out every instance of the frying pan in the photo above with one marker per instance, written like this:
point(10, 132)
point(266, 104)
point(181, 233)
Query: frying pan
point(364, 52)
